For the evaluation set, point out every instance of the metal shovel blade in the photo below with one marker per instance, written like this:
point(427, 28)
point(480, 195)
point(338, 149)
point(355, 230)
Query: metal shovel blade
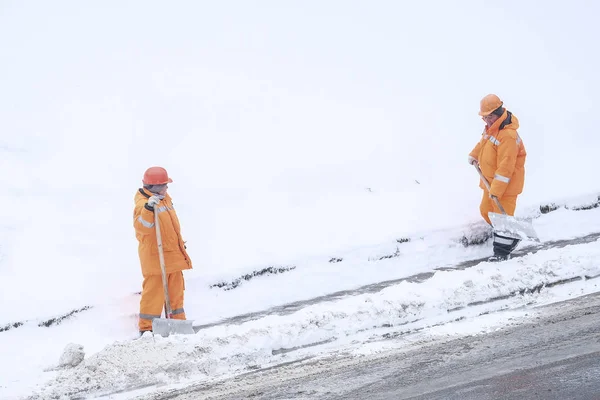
point(165, 327)
point(509, 226)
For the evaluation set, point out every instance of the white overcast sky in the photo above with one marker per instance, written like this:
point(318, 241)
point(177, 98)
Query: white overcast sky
point(288, 95)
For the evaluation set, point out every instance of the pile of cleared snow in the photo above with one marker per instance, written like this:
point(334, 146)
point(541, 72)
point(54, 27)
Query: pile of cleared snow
point(230, 349)
point(152, 360)
point(72, 356)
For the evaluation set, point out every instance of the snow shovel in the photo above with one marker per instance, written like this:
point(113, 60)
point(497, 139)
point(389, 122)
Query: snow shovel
point(166, 326)
point(506, 225)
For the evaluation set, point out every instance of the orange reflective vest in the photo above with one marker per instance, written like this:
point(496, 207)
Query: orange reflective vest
point(176, 257)
point(501, 155)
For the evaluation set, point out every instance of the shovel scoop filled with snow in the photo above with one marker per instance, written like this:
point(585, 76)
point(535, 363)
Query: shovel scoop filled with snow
point(506, 225)
point(167, 326)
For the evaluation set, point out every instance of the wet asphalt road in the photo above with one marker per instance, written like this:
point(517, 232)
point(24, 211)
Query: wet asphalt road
point(573, 378)
point(554, 354)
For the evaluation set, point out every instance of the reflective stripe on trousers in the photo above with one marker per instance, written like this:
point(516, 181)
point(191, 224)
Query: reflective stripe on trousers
point(153, 298)
point(148, 316)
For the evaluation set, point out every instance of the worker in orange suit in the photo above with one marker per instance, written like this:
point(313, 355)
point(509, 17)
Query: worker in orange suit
point(153, 197)
point(501, 156)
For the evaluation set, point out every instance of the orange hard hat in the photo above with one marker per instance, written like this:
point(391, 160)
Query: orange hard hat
point(156, 176)
point(488, 104)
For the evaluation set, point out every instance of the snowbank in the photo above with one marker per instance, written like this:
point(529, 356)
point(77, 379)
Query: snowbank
point(225, 350)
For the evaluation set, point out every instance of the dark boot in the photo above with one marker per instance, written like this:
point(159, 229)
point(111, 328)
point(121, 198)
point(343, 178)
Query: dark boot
point(496, 258)
point(503, 246)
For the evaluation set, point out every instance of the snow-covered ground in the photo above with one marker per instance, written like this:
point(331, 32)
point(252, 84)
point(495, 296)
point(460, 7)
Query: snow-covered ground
point(116, 362)
point(328, 141)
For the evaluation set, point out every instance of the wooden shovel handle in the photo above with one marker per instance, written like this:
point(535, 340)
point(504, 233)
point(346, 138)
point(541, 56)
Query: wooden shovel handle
point(487, 185)
point(161, 256)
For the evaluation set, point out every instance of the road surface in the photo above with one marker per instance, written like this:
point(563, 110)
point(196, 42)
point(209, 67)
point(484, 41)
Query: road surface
point(554, 354)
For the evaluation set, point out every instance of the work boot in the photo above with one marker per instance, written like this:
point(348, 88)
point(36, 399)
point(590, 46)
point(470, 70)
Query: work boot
point(497, 258)
point(503, 246)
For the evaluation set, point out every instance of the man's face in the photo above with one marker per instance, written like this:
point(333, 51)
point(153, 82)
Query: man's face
point(490, 119)
point(160, 189)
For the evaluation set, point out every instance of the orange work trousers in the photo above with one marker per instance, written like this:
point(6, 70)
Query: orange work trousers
point(153, 298)
point(488, 205)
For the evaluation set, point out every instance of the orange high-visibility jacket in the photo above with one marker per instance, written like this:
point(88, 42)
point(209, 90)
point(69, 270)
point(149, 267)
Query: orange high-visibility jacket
point(176, 258)
point(501, 155)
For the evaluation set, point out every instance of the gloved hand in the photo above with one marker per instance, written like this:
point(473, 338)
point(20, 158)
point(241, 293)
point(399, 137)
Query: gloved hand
point(472, 160)
point(152, 201)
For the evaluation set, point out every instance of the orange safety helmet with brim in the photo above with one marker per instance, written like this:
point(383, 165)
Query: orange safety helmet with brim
point(156, 176)
point(488, 104)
